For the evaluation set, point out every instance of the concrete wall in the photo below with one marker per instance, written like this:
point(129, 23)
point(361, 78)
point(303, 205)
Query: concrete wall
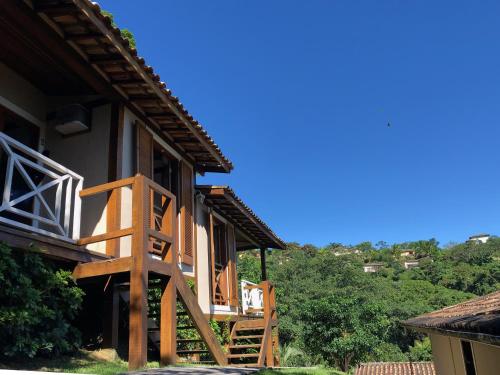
point(486, 358)
point(26, 98)
point(202, 255)
point(448, 358)
point(128, 170)
point(88, 155)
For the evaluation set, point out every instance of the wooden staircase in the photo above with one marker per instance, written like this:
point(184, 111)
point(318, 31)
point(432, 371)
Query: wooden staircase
point(245, 347)
point(191, 347)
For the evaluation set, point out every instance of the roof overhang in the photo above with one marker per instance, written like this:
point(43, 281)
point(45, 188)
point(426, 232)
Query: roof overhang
point(224, 201)
point(476, 319)
point(84, 29)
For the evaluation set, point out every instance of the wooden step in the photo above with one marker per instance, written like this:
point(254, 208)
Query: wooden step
point(245, 346)
point(193, 351)
point(244, 364)
point(250, 329)
point(243, 355)
point(185, 327)
point(248, 337)
point(190, 340)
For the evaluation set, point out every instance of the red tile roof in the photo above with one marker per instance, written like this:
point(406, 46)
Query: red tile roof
point(396, 368)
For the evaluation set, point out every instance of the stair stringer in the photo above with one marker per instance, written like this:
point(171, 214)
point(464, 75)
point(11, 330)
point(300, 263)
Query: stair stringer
point(194, 311)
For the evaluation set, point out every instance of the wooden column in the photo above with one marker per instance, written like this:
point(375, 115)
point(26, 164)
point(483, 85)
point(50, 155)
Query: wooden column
point(138, 321)
point(263, 264)
point(111, 317)
point(168, 308)
point(168, 323)
point(267, 341)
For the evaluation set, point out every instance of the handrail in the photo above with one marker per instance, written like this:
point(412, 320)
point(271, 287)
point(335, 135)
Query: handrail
point(58, 217)
point(165, 233)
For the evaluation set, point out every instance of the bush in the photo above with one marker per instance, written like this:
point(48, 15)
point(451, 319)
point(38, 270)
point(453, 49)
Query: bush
point(37, 306)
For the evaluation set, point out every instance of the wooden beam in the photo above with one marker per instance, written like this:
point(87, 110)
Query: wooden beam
point(102, 268)
point(105, 236)
point(160, 267)
point(48, 246)
point(138, 316)
point(168, 323)
point(263, 264)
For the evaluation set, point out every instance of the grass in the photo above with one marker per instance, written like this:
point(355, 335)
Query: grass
point(301, 371)
point(79, 363)
point(83, 363)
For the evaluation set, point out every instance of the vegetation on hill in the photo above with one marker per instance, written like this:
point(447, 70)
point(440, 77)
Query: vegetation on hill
point(332, 312)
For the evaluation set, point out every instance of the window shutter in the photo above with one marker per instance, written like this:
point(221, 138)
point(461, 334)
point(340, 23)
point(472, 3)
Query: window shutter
point(187, 224)
point(233, 277)
point(144, 151)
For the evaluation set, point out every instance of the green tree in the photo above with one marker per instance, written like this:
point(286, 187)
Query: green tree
point(343, 328)
point(37, 306)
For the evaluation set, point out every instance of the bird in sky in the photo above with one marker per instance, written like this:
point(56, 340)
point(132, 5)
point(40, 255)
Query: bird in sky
point(388, 124)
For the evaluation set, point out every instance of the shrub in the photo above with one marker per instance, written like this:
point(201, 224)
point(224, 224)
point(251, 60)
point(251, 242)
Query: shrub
point(37, 306)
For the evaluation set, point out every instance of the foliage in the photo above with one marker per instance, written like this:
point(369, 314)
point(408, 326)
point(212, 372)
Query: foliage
point(37, 306)
point(126, 34)
point(421, 351)
point(343, 327)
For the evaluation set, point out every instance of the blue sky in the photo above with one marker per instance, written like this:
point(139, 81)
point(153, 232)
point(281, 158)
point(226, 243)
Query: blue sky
point(298, 95)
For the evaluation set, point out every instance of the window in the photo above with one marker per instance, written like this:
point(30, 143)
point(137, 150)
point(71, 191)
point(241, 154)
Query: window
point(470, 368)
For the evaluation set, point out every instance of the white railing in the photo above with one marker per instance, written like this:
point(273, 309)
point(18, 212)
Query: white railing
point(39, 194)
point(252, 298)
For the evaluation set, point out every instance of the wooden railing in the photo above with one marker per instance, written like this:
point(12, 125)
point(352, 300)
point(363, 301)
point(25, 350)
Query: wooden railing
point(154, 235)
point(27, 202)
point(252, 298)
point(153, 215)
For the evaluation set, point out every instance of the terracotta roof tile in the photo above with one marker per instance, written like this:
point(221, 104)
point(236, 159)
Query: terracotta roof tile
point(478, 315)
point(396, 368)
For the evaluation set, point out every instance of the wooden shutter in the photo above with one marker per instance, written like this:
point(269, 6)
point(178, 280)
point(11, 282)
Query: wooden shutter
point(187, 223)
point(233, 277)
point(144, 151)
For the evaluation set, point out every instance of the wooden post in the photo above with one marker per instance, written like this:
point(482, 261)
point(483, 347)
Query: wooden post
point(111, 317)
point(138, 321)
point(263, 264)
point(268, 341)
point(168, 323)
point(168, 309)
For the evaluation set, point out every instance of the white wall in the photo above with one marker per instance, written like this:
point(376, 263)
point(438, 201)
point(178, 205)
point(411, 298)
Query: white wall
point(202, 255)
point(128, 170)
point(88, 155)
point(26, 97)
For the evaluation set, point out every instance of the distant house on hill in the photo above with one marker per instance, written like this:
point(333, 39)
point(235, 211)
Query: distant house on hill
point(373, 267)
point(396, 368)
point(407, 253)
point(346, 251)
point(479, 238)
point(411, 263)
point(465, 338)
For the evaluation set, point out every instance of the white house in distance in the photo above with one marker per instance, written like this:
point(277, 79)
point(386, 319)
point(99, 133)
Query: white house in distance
point(479, 238)
point(372, 267)
point(409, 264)
point(407, 253)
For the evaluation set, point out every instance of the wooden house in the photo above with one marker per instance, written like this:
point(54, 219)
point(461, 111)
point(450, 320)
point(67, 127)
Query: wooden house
point(98, 168)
